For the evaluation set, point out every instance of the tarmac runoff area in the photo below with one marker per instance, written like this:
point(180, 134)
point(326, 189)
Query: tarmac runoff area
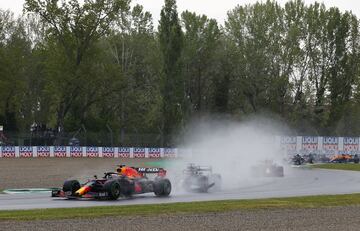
point(297, 182)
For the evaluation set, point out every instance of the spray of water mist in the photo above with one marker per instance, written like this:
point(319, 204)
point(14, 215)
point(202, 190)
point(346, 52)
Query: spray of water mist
point(231, 148)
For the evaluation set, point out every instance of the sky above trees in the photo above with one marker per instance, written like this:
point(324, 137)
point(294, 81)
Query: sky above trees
point(213, 9)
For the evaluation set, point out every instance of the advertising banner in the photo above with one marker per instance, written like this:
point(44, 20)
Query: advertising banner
point(60, 151)
point(351, 144)
point(92, 152)
point(124, 152)
point(169, 152)
point(26, 151)
point(330, 145)
point(139, 152)
point(76, 151)
point(154, 152)
point(288, 143)
point(108, 152)
point(8, 152)
point(309, 143)
point(43, 151)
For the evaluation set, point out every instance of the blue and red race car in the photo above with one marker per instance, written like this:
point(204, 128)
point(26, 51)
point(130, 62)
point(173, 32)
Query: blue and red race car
point(127, 181)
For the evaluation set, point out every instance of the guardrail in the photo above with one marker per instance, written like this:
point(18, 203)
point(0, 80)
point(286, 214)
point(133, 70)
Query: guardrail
point(87, 152)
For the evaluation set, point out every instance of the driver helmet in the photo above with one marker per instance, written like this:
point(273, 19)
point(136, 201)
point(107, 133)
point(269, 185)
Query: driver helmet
point(120, 168)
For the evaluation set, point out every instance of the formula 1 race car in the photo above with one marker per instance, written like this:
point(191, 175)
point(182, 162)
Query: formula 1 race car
point(113, 185)
point(200, 179)
point(298, 160)
point(345, 158)
point(267, 168)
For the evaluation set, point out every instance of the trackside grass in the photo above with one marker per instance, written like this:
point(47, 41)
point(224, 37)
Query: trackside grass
point(183, 208)
point(338, 166)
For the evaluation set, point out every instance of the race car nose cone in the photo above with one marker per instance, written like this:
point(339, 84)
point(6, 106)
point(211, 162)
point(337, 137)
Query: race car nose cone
point(82, 191)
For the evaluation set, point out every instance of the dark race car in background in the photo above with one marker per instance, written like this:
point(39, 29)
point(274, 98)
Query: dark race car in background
point(267, 168)
point(297, 160)
point(200, 179)
point(112, 185)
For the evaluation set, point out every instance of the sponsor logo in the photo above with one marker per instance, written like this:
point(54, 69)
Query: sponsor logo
point(75, 151)
point(169, 152)
point(124, 152)
point(139, 152)
point(8, 151)
point(25, 151)
point(330, 143)
point(309, 143)
point(60, 151)
point(309, 140)
point(288, 140)
point(43, 151)
point(351, 143)
point(154, 152)
point(288, 146)
point(148, 170)
point(108, 152)
point(92, 152)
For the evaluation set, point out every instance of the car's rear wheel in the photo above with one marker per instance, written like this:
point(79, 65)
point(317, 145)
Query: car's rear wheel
point(113, 189)
point(217, 182)
point(71, 186)
point(162, 187)
point(203, 183)
point(127, 187)
point(280, 171)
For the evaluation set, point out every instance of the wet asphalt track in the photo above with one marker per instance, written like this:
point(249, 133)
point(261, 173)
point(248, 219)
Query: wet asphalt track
point(297, 182)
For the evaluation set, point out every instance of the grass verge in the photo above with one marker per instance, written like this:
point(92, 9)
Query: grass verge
point(183, 208)
point(338, 166)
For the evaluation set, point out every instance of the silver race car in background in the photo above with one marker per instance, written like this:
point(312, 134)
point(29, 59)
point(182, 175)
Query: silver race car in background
point(200, 179)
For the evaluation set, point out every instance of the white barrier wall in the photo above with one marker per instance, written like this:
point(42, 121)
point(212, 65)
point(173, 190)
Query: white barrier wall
point(289, 144)
point(327, 145)
point(88, 152)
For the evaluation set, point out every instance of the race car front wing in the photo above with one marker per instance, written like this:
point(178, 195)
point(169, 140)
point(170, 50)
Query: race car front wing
point(68, 194)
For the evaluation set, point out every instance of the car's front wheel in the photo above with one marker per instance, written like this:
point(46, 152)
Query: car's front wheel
point(71, 186)
point(113, 189)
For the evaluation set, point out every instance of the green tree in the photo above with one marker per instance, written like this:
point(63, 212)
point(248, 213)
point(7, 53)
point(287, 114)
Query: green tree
point(134, 53)
point(15, 55)
point(73, 30)
point(171, 45)
point(201, 41)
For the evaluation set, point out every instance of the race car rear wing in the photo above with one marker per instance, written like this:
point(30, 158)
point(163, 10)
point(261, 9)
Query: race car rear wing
point(145, 170)
point(204, 168)
point(197, 168)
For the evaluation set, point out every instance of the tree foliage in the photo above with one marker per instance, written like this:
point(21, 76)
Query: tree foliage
point(171, 46)
point(99, 65)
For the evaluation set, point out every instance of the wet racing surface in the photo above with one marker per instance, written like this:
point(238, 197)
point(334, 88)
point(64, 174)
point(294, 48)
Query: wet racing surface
point(297, 182)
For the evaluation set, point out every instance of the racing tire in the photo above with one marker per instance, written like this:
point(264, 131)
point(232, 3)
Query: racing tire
point(162, 187)
point(71, 186)
point(113, 189)
point(217, 181)
point(279, 171)
point(127, 187)
point(203, 183)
